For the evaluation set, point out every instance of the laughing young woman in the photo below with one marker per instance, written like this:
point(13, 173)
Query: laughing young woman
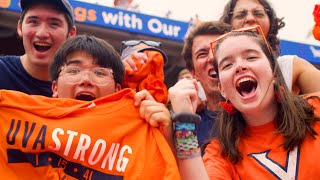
point(265, 132)
point(298, 73)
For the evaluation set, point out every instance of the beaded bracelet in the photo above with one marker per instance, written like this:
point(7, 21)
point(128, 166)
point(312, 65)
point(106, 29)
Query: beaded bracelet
point(186, 141)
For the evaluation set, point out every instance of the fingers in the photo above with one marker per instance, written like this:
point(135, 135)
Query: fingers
point(183, 96)
point(141, 57)
point(142, 95)
point(156, 114)
point(129, 62)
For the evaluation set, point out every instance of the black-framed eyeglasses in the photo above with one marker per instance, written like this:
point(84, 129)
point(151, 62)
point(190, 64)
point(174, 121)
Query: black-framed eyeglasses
point(131, 43)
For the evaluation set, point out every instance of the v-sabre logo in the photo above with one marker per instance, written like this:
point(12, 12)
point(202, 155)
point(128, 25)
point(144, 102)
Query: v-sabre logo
point(287, 172)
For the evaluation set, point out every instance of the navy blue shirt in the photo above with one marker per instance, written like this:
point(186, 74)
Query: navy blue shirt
point(13, 76)
point(204, 128)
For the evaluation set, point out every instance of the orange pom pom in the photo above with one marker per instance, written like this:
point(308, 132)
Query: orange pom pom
point(316, 32)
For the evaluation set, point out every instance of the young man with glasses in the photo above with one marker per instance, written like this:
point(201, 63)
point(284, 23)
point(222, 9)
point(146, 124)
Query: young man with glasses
point(44, 25)
point(92, 129)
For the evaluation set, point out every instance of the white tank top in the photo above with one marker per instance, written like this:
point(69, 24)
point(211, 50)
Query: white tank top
point(286, 65)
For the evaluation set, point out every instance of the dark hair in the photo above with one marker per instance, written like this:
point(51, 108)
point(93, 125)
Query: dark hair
point(293, 120)
point(275, 22)
point(103, 53)
point(66, 15)
point(203, 28)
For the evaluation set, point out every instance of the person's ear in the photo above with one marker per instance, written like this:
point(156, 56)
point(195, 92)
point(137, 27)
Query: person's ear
point(118, 87)
point(193, 73)
point(19, 30)
point(72, 32)
point(54, 88)
point(221, 90)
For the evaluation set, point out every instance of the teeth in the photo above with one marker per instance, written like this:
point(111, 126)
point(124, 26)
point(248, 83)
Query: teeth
point(212, 73)
point(245, 79)
point(41, 44)
point(87, 94)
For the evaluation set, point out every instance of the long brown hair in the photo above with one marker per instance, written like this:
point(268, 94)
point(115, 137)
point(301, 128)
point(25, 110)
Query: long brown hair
point(293, 120)
point(275, 22)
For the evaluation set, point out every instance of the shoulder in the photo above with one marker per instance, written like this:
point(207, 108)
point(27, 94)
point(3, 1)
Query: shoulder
point(217, 166)
point(285, 61)
point(213, 149)
point(10, 58)
point(300, 64)
point(7, 61)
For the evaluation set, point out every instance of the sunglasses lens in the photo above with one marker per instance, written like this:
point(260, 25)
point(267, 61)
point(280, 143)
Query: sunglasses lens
point(131, 42)
point(153, 43)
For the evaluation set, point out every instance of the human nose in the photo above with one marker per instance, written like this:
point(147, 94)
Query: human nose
point(42, 31)
point(86, 78)
point(241, 69)
point(250, 18)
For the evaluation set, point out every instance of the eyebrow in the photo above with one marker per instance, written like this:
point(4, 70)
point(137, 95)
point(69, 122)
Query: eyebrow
point(254, 9)
point(73, 62)
point(50, 18)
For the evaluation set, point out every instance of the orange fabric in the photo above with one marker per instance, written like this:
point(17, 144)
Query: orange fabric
point(149, 76)
point(264, 159)
point(316, 17)
point(48, 138)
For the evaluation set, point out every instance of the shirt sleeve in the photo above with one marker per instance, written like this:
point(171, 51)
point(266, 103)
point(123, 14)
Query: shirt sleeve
point(217, 167)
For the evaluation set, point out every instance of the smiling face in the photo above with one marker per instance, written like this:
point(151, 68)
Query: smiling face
point(248, 13)
point(85, 89)
point(202, 60)
point(43, 30)
point(245, 75)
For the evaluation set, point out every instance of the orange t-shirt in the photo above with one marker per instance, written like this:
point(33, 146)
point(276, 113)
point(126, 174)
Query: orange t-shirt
point(53, 138)
point(264, 158)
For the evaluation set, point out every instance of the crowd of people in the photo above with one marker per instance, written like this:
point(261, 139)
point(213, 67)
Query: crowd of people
point(72, 107)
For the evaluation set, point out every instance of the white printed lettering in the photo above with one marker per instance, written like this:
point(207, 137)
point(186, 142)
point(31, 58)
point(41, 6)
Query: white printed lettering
point(83, 145)
point(56, 139)
point(122, 167)
point(94, 151)
point(69, 142)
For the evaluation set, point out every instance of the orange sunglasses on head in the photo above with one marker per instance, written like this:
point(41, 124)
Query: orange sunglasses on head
point(255, 28)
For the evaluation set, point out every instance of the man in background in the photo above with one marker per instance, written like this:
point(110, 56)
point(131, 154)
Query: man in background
point(44, 25)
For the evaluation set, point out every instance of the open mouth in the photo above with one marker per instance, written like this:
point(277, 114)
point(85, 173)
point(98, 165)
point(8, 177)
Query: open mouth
point(42, 47)
point(246, 86)
point(85, 97)
point(213, 74)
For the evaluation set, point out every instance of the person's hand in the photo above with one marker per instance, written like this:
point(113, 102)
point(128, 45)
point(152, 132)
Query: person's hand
point(129, 63)
point(155, 113)
point(183, 96)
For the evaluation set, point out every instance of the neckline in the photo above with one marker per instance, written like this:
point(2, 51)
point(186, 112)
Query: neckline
point(268, 127)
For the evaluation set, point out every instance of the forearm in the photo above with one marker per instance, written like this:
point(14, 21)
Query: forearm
point(188, 152)
point(192, 168)
point(167, 132)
